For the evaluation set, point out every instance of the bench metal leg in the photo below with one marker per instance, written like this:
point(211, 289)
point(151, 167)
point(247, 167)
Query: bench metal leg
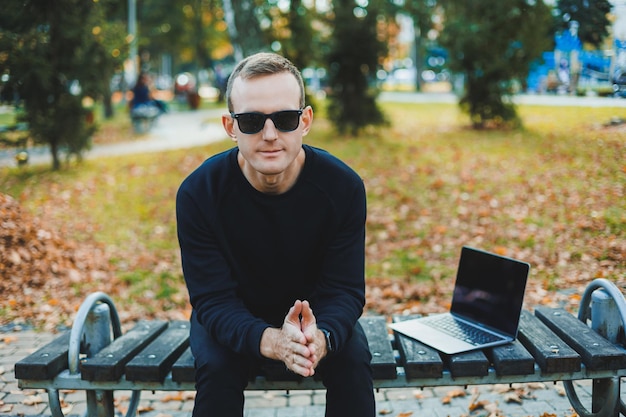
point(603, 304)
point(54, 403)
point(96, 319)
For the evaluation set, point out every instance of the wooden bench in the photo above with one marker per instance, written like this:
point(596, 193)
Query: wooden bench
point(17, 136)
point(143, 117)
point(154, 355)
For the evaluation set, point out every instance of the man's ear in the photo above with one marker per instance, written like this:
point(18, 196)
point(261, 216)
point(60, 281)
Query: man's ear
point(307, 120)
point(229, 126)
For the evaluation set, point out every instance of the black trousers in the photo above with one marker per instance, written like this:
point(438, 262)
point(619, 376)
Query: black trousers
point(347, 376)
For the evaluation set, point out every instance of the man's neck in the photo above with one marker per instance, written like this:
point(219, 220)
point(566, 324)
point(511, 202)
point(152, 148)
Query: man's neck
point(273, 184)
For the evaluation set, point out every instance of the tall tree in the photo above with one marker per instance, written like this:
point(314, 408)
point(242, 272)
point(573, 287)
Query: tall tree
point(246, 35)
point(353, 60)
point(291, 33)
point(591, 15)
point(192, 32)
point(54, 58)
point(421, 11)
point(492, 43)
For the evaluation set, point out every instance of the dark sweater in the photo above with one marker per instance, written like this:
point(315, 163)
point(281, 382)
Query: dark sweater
point(247, 256)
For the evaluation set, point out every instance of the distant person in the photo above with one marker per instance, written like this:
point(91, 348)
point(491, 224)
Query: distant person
point(142, 94)
point(221, 81)
point(272, 238)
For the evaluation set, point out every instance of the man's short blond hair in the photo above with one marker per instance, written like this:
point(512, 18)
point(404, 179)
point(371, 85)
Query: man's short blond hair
point(263, 63)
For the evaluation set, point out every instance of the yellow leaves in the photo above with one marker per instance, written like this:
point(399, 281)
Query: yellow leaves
point(500, 250)
point(8, 339)
point(33, 400)
point(385, 412)
point(179, 396)
point(455, 393)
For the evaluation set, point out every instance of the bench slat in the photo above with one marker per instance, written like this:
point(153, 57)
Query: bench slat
point(596, 351)
point(418, 359)
point(473, 363)
point(108, 364)
point(383, 358)
point(46, 362)
point(512, 359)
point(153, 363)
point(551, 353)
point(183, 369)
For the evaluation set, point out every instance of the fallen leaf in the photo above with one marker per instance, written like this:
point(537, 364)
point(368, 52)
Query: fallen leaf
point(32, 400)
point(144, 409)
point(172, 397)
point(452, 394)
point(513, 397)
point(477, 405)
point(406, 414)
point(9, 339)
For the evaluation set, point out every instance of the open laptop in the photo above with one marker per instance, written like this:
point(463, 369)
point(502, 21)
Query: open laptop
point(486, 305)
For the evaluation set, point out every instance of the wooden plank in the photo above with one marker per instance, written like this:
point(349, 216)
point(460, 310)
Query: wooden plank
point(512, 359)
point(383, 358)
point(46, 362)
point(154, 362)
point(108, 364)
point(473, 363)
point(418, 359)
point(550, 352)
point(183, 369)
point(597, 353)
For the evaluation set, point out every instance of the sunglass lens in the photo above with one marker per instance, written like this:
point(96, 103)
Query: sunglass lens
point(251, 122)
point(286, 120)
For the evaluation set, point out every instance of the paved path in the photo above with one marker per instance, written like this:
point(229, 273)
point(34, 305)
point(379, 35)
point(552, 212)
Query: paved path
point(175, 130)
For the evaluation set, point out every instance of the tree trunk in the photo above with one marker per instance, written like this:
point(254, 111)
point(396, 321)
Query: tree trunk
point(54, 151)
point(229, 16)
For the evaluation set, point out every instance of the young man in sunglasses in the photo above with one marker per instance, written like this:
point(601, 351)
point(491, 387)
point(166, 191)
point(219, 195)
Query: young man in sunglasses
point(272, 236)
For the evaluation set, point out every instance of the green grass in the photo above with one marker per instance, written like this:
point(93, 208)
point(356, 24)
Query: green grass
point(552, 194)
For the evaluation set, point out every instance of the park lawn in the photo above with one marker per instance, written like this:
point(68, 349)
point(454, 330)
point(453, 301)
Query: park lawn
point(551, 194)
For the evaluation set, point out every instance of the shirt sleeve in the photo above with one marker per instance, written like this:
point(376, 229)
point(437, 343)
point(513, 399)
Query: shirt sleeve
point(340, 298)
point(212, 291)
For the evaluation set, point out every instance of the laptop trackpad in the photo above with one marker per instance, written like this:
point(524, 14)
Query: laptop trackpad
point(435, 339)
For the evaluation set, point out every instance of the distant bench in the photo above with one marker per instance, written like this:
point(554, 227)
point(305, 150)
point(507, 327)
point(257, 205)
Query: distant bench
point(154, 355)
point(16, 136)
point(143, 117)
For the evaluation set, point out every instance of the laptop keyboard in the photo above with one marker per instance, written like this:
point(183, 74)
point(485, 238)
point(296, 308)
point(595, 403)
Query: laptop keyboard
point(461, 330)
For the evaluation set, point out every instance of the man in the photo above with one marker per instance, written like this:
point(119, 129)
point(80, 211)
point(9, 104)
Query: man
point(272, 236)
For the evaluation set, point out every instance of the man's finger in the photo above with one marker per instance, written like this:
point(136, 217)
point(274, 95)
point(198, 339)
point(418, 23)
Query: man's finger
point(293, 316)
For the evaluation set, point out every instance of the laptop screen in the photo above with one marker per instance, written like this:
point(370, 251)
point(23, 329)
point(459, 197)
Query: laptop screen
point(490, 289)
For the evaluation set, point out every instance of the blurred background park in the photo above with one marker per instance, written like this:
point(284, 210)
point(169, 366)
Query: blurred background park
point(424, 98)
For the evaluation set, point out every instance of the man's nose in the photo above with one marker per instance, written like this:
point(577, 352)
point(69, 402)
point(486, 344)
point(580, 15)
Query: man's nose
point(269, 130)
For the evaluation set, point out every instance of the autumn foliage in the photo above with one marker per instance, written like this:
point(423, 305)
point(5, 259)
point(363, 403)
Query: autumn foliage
point(552, 195)
point(40, 268)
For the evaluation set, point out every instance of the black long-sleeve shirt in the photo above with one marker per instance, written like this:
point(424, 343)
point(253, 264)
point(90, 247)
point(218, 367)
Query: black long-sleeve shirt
point(247, 256)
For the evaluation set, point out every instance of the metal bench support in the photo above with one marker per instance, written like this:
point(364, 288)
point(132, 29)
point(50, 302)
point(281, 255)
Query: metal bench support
point(97, 324)
point(602, 305)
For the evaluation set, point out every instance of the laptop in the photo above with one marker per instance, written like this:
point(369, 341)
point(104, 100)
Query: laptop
point(486, 305)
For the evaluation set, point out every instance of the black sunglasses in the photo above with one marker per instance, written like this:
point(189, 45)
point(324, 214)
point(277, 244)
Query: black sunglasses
point(285, 120)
